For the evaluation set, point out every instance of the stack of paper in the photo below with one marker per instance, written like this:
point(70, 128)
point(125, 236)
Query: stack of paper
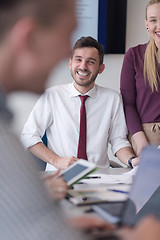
point(125, 178)
point(85, 195)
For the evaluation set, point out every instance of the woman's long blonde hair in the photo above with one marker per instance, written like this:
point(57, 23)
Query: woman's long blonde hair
point(150, 59)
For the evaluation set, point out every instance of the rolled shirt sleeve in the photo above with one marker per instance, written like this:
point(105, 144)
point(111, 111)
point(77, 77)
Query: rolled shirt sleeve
point(39, 120)
point(118, 129)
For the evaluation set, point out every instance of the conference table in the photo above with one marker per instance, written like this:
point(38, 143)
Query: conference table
point(72, 210)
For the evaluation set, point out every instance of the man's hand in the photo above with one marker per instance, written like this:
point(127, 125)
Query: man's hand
point(89, 223)
point(146, 229)
point(45, 154)
point(56, 187)
point(124, 154)
point(63, 163)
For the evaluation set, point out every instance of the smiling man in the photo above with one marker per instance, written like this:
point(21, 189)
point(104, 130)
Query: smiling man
point(58, 114)
point(85, 65)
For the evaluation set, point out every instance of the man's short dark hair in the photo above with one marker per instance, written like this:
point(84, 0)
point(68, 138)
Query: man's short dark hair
point(44, 11)
point(90, 42)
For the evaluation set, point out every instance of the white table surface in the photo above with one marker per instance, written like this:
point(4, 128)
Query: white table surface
point(71, 210)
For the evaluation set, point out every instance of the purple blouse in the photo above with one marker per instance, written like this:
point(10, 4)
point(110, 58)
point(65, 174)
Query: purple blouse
point(141, 105)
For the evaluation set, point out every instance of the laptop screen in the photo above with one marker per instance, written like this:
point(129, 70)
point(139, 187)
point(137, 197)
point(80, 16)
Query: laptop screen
point(144, 196)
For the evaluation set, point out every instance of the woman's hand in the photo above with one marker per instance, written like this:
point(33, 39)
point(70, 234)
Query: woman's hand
point(140, 142)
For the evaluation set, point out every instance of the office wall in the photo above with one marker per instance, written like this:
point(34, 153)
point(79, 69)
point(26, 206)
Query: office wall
point(22, 103)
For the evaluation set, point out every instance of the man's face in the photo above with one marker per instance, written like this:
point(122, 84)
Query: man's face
point(51, 45)
point(85, 67)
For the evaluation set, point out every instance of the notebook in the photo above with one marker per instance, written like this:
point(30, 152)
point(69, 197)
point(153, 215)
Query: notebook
point(144, 195)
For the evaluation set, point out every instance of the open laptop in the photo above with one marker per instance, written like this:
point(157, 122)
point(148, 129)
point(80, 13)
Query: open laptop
point(144, 196)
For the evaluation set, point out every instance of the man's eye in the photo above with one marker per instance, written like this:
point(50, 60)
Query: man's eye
point(92, 62)
point(153, 20)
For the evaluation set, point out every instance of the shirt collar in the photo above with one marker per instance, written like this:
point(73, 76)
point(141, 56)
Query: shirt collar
point(74, 92)
point(4, 111)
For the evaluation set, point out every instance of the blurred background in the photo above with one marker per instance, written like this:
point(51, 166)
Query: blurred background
point(21, 104)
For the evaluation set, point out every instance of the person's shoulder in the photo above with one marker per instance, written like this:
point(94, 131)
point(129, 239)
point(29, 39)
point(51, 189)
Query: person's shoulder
point(57, 89)
point(140, 48)
point(136, 53)
point(107, 91)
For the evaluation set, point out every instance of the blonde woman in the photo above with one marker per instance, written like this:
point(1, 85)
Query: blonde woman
point(140, 84)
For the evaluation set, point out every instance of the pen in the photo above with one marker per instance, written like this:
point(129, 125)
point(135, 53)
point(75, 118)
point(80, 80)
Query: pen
point(118, 191)
point(93, 177)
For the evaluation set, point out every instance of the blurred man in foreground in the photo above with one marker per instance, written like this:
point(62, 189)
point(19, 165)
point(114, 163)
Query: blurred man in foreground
point(32, 33)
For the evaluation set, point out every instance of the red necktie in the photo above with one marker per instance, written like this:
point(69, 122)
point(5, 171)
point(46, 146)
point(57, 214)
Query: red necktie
point(83, 130)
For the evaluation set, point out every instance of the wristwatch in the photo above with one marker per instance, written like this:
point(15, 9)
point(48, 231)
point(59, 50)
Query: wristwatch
point(130, 161)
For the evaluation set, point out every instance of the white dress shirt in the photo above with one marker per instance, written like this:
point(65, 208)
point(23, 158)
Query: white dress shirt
point(58, 113)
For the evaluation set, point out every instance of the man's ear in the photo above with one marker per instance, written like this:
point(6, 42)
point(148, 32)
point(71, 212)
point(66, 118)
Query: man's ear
point(101, 68)
point(21, 35)
point(70, 62)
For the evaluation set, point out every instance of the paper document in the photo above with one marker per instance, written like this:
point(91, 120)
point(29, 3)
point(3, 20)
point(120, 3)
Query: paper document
point(90, 197)
point(101, 178)
point(101, 188)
